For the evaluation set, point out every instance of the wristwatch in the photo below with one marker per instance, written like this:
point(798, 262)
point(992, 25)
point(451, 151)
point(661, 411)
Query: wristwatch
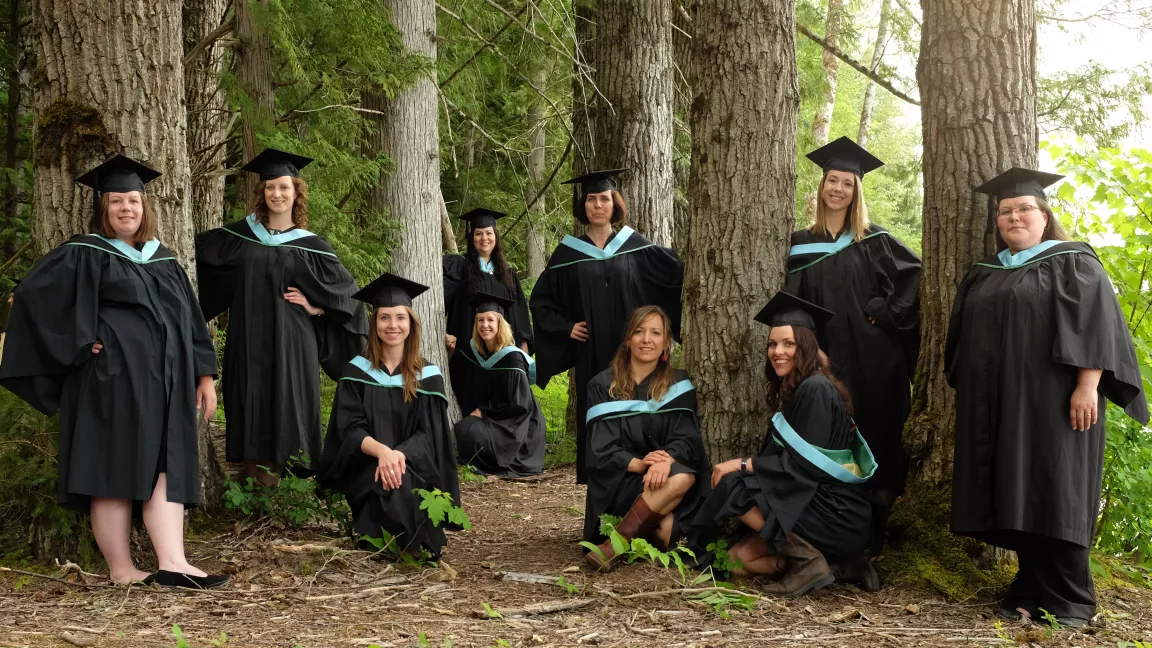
point(743, 464)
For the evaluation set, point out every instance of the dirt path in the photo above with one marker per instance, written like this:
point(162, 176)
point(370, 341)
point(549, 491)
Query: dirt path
point(304, 589)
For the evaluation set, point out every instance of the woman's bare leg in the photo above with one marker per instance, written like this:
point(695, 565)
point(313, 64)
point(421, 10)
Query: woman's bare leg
point(165, 523)
point(111, 525)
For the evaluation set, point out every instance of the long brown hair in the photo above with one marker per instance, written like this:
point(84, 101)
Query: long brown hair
point(622, 385)
point(805, 364)
point(1052, 232)
point(299, 206)
point(147, 230)
point(500, 268)
point(411, 363)
point(857, 220)
point(619, 207)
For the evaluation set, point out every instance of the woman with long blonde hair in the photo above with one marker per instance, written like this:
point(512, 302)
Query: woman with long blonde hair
point(389, 433)
point(291, 313)
point(504, 432)
point(871, 281)
point(646, 460)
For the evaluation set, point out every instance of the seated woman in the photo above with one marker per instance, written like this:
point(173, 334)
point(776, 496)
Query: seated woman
point(804, 498)
point(504, 434)
point(389, 431)
point(645, 455)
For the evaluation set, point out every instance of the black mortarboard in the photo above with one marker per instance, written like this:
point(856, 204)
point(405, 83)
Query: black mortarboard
point(845, 155)
point(786, 309)
point(487, 303)
point(273, 163)
point(597, 181)
point(482, 217)
point(390, 290)
point(117, 174)
point(1016, 182)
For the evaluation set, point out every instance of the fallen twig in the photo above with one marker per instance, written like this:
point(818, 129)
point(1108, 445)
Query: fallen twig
point(356, 595)
point(58, 580)
point(547, 607)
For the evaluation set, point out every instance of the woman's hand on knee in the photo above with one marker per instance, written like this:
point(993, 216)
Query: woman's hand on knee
point(656, 476)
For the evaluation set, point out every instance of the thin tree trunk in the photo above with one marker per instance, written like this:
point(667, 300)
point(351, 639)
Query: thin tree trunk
point(411, 138)
point(681, 135)
point(447, 235)
point(633, 71)
point(254, 75)
point(12, 144)
point(537, 257)
point(104, 84)
point(207, 129)
point(870, 89)
point(822, 122)
point(743, 186)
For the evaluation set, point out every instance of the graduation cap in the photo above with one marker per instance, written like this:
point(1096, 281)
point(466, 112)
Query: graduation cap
point(1017, 182)
point(118, 174)
point(390, 290)
point(482, 217)
point(596, 181)
point(273, 163)
point(845, 155)
point(487, 303)
point(786, 309)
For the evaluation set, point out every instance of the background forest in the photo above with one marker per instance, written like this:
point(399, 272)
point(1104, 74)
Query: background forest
point(418, 111)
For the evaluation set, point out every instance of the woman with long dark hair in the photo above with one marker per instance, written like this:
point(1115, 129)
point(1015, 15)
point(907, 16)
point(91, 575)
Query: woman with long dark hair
point(503, 433)
point(803, 500)
point(871, 280)
point(291, 312)
point(105, 329)
point(389, 433)
point(592, 284)
point(1036, 343)
point(481, 269)
point(646, 461)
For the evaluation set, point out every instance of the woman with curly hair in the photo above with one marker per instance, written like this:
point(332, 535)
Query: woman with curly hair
point(804, 498)
point(291, 312)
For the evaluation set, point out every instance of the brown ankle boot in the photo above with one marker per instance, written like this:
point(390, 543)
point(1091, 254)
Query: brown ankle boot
point(638, 521)
point(807, 570)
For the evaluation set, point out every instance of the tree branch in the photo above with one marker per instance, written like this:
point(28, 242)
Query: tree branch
point(880, 81)
point(209, 40)
point(543, 188)
point(487, 43)
point(910, 14)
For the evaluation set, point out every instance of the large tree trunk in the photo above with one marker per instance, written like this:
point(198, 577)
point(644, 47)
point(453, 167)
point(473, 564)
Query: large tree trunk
point(870, 89)
point(108, 80)
point(743, 186)
point(822, 121)
point(633, 126)
point(253, 68)
point(410, 136)
point(681, 134)
point(207, 130)
point(11, 184)
point(535, 253)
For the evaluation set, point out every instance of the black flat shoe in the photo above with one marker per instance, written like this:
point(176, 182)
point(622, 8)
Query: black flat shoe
point(176, 579)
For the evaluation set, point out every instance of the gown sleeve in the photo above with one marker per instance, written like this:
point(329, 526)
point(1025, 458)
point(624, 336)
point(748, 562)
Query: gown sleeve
point(517, 401)
point(956, 330)
point(342, 330)
point(684, 442)
point(217, 261)
point(553, 317)
point(203, 350)
point(1091, 333)
point(431, 448)
point(347, 428)
point(606, 454)
point(521, 324)
point(661, 279)
point(455, 290)
point(813, 411)
point(895, 300)
point(53, 324)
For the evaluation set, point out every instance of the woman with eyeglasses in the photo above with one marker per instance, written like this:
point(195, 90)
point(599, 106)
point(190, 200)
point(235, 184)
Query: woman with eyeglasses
point(1036, 343)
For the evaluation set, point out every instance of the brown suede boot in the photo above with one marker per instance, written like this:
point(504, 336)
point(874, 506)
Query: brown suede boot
point(807, 569)
point(638, 521)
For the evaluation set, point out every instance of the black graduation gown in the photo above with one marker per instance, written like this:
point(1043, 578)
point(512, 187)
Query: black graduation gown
point(878, 277)
point(370, 402)
point(509, 439)
point(274, 349)
point(620, 430)
point(583, 283)
point(797, 481)
point(129, 412)
point(461, 313)
point(1020, 329)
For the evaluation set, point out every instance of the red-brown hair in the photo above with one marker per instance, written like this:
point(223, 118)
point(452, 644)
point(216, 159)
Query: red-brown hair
point(299, 206)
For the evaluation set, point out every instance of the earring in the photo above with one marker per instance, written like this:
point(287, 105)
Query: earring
point(664, 357)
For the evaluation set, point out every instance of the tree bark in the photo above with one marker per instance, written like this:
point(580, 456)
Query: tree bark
point(447, 234)
point(743, 184)
point(870, 89)
point(12, 118)
point(253, 65)
point(207, 129)
point(535, 253)
point(681, 134)
point(977, 76)
point(822, 121)
point(632, 43)
point(410, 136)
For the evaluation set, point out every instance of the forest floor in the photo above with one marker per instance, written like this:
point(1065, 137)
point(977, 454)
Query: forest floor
point(302, 588)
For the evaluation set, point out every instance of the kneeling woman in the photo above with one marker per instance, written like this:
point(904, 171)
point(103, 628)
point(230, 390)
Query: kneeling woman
point(504, 434)
point(804, 497)
point(646, 461)
point(389, 431)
